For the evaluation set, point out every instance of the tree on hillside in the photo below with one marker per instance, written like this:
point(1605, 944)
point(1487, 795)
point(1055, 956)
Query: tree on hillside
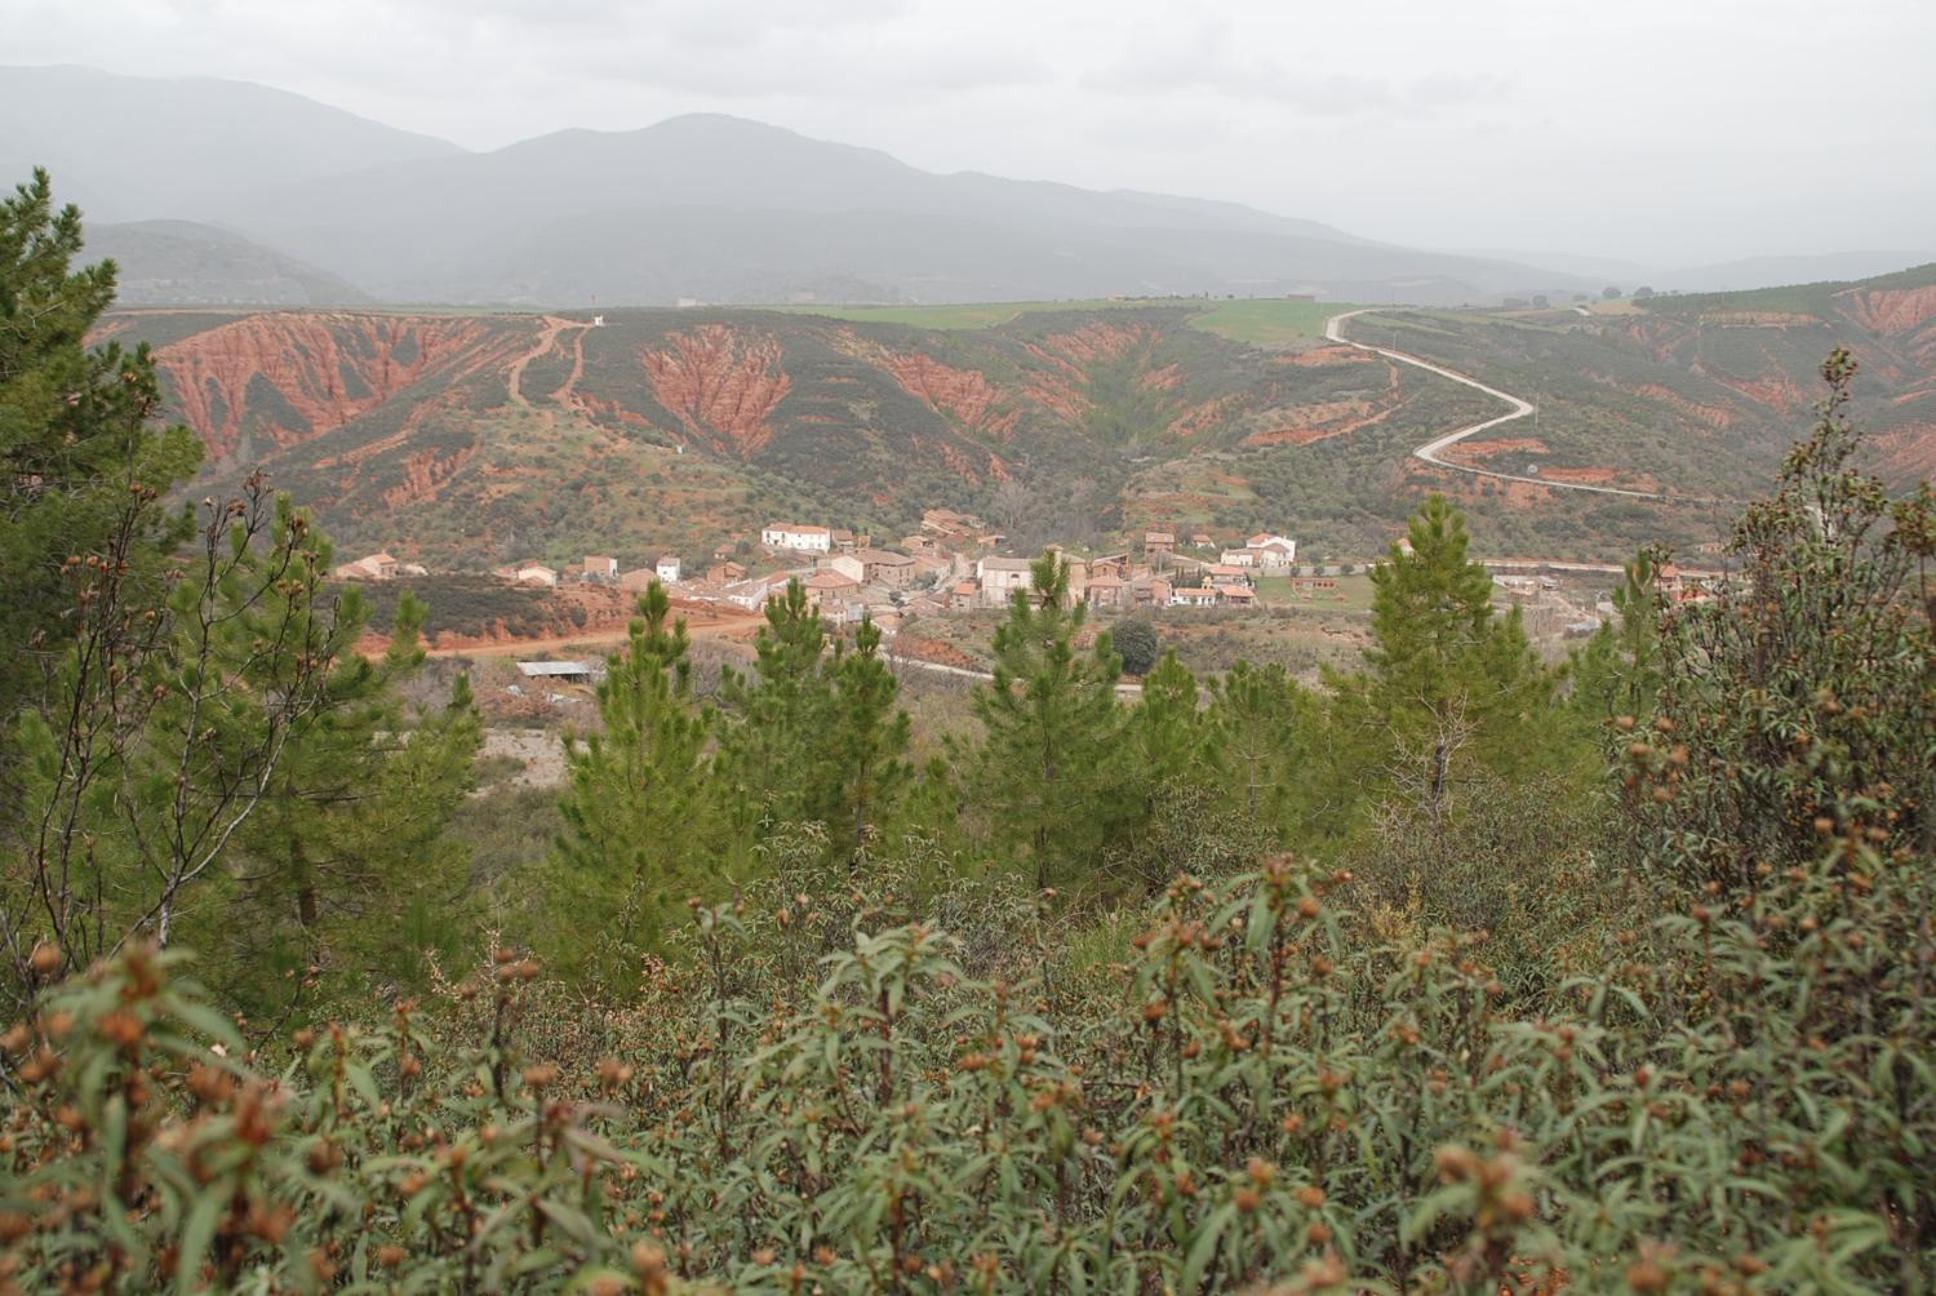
point(1446, 679)
point(1266, 725)
point(1136, 643)
point(1045, 773)
point(1642, 293)
point(1794, 710)
point(774, 758)
point(346, 868)
point(1617, 671)
point(1610, 293)
point(868, 739)
point(81, 463)
point(641, 820)
point(175, 715)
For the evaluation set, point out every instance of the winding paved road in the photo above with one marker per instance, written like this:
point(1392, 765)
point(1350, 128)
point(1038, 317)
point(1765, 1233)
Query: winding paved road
point(1431, 451)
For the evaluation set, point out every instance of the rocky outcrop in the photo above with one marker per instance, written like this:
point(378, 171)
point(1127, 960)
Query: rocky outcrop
point(722, 384)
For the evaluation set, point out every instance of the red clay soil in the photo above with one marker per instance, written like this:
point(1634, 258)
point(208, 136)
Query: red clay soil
point(425, 473)
point(1164, 379)
point(326, 368)
point(933, 650)
point(1718, 416)
point(1324, 356)
point(1777, 391)
point(1478, 451)
point(1906, 453)
point(964, 395)
point(1061, 384)
point(722, 384)
point(1204, 417)
point(1583, 476)
point(1303, 424)
point(1896, 311)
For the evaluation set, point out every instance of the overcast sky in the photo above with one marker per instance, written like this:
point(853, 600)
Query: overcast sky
point(1668, 131)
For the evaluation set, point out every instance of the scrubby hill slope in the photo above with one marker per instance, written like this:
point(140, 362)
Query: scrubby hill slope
point(467, 440)
point(1692, 394)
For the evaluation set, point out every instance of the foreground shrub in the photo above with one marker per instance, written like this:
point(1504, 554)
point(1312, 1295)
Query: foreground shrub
point(1258, 1092)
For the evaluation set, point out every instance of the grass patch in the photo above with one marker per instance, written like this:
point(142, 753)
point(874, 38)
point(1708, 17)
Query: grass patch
point(965, 315)
point(1268, 322)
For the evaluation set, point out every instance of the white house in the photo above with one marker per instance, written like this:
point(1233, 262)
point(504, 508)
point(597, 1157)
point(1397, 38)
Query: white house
point(1201, 596)
point(792, 535)
point(667, 569)
point(1273, 550)
point(1000, 576)
point(534, 574)
point(376, 567)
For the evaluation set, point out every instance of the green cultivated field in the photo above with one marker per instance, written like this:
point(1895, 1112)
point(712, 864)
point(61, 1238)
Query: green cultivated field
point(1268, 322)
point(1259, 321)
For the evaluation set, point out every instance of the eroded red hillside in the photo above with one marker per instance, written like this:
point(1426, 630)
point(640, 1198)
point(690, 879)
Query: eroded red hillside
point(965, 395)
point(1893, 310)
point(277, 380)
point(722, 384)
point(1062, 382)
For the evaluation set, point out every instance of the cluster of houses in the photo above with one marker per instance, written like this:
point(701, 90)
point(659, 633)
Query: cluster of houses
point(595, 569)
point(952, 563)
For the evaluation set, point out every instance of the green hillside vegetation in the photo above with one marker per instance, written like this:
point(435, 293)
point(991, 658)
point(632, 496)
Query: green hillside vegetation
point(1105, 417)
point(1803, 299)
point(1462, 972)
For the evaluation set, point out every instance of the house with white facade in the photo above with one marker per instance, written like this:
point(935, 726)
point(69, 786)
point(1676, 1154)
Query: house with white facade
point(1273, 551)
point(797, 536)
point(532, 573)
point(1000, 577)
point(667, 569)
point(375, 567)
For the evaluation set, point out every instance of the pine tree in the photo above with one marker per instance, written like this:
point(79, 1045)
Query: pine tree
point(178, 722)
point(1446, 680)
point(1048, 774)
point(346, 865)
point(1166, 737)
point(1617, 671)
point(774, 758)
point(79, 459)
point(868, 739)
point(641, 820)
point(1266, 743)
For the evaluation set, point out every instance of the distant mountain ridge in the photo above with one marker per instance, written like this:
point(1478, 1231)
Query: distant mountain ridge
point(702, 207)
point(184, 263)
point(147, 148)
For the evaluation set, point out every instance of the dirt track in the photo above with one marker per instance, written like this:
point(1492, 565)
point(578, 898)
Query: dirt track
point(1431, 451)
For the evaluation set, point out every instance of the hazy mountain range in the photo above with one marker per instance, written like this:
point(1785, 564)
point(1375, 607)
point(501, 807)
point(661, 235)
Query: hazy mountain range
point(233, 192)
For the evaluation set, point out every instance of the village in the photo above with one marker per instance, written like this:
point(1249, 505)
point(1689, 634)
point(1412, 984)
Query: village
point(955, 563)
